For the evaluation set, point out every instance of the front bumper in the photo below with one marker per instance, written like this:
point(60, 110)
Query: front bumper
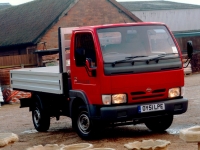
point(130, 112)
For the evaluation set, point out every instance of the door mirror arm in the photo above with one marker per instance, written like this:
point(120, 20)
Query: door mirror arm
point(90, 70)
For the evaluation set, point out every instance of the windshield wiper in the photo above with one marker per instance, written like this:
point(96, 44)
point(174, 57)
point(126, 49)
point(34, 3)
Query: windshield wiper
point(126, 59)
point(159, 56)
point(155, 58)
point(147, 61)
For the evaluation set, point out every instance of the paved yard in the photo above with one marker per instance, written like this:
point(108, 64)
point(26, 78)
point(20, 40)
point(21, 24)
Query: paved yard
point(16, 120)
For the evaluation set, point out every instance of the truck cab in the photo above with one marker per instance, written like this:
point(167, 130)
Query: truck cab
point(128, 73)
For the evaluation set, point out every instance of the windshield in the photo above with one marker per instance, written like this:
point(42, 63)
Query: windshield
point(119, 43)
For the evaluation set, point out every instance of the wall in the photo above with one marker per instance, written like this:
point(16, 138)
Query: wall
point(176, 20)
point(17, 50)
point(183, 42)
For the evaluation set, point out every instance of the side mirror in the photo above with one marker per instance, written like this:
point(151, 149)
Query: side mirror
point(189, 49)
point(91, 70)
point(80, 57)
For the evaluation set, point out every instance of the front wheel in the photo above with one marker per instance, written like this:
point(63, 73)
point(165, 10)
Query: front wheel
point(41, 119)
point(84, 126)
point(160, 124)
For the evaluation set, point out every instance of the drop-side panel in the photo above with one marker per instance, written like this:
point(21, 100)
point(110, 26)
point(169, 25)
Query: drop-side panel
point(43, 79)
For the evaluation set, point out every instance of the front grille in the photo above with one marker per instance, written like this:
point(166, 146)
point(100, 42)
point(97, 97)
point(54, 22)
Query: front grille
point(152, 96)
point(148, 95)
point(158, 91)
point(137, 93)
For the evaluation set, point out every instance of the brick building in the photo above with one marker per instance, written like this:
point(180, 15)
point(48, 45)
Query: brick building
point(27, 25)
point(88, 12)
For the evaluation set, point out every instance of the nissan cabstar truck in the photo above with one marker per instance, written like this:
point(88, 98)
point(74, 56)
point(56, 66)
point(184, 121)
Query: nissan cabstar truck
point(114, 74)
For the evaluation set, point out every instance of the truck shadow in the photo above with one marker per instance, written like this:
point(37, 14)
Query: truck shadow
point(63, 132)
point(129, 131)
point(126, 132)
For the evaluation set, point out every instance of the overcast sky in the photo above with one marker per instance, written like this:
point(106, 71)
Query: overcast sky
point(14, 2)
point(197, 2)
point(17, 2)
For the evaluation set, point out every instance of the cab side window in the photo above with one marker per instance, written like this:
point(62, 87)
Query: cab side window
point(79, 52)
point(84, 49)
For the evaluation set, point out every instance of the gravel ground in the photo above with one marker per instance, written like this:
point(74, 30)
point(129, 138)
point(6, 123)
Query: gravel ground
point(18, 120)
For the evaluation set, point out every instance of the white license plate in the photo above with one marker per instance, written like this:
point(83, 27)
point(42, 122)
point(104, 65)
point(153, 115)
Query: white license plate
point(151, 107)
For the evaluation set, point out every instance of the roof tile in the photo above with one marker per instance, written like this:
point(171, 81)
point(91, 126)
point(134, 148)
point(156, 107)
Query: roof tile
point(25, 23)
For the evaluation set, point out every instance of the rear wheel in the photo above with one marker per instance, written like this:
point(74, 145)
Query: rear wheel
point(41, 119)
point(160, 124)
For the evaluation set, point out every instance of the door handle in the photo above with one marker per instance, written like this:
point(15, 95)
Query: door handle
point(75, 79)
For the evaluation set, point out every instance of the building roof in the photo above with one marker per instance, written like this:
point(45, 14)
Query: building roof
point(4, 5)
point(125, 10)
point(156, 5)
point(24, 24)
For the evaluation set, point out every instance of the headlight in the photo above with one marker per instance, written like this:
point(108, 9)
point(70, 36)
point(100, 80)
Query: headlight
point(114, 99)
point(118, 98)
point(106, 99)
point(174, 92)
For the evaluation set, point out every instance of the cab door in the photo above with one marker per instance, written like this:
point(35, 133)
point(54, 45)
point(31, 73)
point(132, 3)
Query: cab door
point(82, 78)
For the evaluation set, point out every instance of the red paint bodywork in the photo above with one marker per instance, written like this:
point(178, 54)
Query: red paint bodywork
point(94, 87)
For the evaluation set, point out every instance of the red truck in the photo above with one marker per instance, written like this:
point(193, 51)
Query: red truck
point(118, 74)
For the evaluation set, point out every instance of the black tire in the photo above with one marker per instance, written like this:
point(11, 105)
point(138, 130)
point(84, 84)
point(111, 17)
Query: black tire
point(84, 126)
point(41, 119)
point(159, 124)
